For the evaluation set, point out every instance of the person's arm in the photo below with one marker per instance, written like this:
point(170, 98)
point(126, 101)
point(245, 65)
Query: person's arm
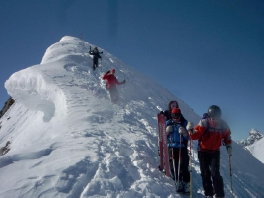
point(198, 131)
point(106, 75)
point(120, 83)
point(169, 127)
point(227, 140)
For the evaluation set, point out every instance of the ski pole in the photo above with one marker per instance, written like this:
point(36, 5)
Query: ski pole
point(101, 64)
point(174, 169)
point(230, 170)
point(190, 168)
point(179, 162)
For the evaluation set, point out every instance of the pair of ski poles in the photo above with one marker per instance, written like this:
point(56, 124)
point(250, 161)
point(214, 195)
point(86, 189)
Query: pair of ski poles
point(179, 164)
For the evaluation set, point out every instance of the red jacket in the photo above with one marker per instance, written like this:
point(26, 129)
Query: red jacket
point(211, 139)
point(111, 80)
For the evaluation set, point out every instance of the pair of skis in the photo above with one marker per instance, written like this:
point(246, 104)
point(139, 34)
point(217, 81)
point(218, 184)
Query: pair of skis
point(163, 148)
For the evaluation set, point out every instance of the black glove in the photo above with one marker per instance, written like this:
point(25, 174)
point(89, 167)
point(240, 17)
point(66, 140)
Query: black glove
point(108, 72)
point(124, 81)
point(161, 113)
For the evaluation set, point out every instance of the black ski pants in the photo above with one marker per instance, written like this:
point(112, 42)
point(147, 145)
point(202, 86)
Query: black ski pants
point(184, 164)
point(210, 170)
point(95, 62)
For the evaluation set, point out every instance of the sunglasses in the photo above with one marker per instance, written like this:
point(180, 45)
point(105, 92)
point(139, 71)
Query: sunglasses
point(175, 116)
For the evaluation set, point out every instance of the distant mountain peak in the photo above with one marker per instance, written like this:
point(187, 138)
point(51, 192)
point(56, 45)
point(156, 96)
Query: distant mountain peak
point(254, 136)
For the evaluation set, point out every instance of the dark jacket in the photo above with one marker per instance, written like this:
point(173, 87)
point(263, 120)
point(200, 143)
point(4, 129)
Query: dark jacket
point(167, 113)
point(96, 54)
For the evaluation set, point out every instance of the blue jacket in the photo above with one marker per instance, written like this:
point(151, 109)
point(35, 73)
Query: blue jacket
point(174, 137)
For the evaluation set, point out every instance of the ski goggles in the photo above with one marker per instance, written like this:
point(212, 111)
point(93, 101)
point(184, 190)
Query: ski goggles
point(175, 116)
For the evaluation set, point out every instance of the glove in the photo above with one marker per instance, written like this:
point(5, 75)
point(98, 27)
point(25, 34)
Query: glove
point(229, 150)
point(183, 131)
point(124, 81)
point(189, 126)
point(161, 112)
point(169, 129)
point(108, 72)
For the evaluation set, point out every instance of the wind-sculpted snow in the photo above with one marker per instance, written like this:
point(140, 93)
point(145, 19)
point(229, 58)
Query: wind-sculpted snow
point(69, 140)
point(33, 88)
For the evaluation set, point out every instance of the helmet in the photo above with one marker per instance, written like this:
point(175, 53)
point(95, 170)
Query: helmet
point(175, 112)
point(214, 111)
point(112, 71)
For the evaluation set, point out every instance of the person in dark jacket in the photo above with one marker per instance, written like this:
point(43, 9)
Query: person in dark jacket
point(96, 56)
point(176, 135)
point(111, 83)
point(167, 113)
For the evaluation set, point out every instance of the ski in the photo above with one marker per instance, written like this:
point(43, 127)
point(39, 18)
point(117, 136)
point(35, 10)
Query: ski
point(163, 148)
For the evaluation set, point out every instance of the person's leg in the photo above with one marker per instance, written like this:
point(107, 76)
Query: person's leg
point(205, 162)
point(94, 64)
point(171, 164)
point(110, 90)
point(184, 173)
point(217, 178)
point(115, 96)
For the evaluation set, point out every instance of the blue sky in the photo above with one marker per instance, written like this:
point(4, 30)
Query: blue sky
point(204, 52)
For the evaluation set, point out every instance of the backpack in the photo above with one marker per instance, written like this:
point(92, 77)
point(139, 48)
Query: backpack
point(205, 133)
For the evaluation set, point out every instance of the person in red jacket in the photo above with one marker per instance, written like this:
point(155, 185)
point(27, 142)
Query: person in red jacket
point(210, 133)
point(111, 83)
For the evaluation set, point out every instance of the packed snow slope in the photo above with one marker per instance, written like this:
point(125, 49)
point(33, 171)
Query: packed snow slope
point(69, 140)
point(254, 144)
point(257, 149)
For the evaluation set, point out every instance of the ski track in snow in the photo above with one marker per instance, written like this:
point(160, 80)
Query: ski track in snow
point(68, 140)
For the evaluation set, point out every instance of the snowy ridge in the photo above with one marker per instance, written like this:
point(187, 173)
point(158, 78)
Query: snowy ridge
point(254, 144)
point(254, 136)
point(68, 140)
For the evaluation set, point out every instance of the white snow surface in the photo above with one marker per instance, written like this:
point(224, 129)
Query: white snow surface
point(257, 149)
point(69, 140)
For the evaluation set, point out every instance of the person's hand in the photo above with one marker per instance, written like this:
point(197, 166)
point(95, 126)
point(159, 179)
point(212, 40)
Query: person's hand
point(189, 126)
point(108, 72)
point(229, 150)
point(169, 129)
point(183, 131)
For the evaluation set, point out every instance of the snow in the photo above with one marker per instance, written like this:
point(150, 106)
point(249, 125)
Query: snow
point(69, 140)
point(257, 149)
point(254, 144)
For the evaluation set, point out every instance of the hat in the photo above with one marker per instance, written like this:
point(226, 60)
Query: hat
point(112, 70)
point(205, 115)
point(176, 111)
